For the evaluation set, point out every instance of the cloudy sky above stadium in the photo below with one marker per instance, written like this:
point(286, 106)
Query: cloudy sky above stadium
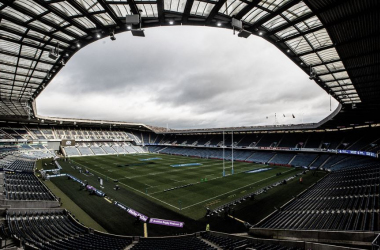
point(187, 77)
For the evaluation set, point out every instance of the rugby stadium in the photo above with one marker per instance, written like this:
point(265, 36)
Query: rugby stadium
point(70, 183)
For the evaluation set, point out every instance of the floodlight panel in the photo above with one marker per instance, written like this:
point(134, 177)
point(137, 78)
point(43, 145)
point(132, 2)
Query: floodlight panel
point(237, 23)
point(132, 19)
point(138, 33)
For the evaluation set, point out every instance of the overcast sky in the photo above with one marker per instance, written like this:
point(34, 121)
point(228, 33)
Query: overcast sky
point(187, 77)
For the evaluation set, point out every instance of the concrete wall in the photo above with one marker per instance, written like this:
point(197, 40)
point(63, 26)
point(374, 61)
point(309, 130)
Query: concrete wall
point(54, 144)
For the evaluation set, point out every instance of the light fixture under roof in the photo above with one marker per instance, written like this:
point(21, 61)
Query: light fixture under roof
point(134, 19)
point(171, 22)
point(98, 35)
point(78, 45)
point(219, 24)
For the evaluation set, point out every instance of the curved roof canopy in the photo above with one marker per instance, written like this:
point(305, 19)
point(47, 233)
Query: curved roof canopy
point(337, 39)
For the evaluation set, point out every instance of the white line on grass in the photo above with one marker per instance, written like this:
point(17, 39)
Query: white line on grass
point(130, 187)
point(231, 191)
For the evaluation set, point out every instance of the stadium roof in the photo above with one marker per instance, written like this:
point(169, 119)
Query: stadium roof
point(339, 40)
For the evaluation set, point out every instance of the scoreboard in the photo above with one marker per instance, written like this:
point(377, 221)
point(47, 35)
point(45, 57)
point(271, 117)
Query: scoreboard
point(66, 143)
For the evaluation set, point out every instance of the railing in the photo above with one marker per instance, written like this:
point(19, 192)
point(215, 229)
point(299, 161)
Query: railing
point(376, 243)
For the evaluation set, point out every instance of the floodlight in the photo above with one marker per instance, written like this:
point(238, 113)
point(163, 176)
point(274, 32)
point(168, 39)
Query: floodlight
point(219, 24)
point(134, 19)
point(237, 24)
point(98, 35)
point(288, 51)
point(313, 74)
point(260, 33)
point(54, 53)
point(171, 22)
point(138, 32)
point(244, 33)
point(78, 45)
point(63, 62)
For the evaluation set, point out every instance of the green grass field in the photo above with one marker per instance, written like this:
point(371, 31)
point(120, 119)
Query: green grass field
point(143, 183)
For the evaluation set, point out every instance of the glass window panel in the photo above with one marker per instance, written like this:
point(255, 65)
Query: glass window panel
point(322, 69)
point(272, 4)
point(44, 66)
point(326, 78)
point(64, 36)
point(311, 59)
point(39, 25)
point(90, 5)
point(254, 15)
point(66, 8)
point(9, 47)
point(149, 10)
point(319, 39)
point(39, 74)
point(201, 8)
point(332, 84)
point(328, 55)
point(336, 89)
point(53, 18)
point(61, 44)
point(8, 11)
point(76, 31)
point(30, 5)
point(85, 22)
point(26, 62)
point(9, 35)
point(121, 10)
point(9, 69)
point(30, 52)
point(8, 59)
point(311, 23)
point(175, 5)
point(32, 42)
point(105, 19)
point(341, 75)
point(299, 45)
point(38, 35)
point(296, 11)
point(232, 7)
point(274, 22)
point(335, 66)
point(11, 25)
point(287, 32)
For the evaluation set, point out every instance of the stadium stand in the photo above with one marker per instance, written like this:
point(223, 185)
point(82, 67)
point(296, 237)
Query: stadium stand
point(345, 200)
point(71, 151)
point(172, 243)
point(21, 166)
point(57, 230)
point(225, 242)
point(25, 186)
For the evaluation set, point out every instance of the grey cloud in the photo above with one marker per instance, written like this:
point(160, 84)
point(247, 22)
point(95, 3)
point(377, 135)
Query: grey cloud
point(198, 77)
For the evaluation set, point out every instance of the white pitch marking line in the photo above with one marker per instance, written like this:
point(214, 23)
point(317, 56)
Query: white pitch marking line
point(133, 188)
point(231, 191)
